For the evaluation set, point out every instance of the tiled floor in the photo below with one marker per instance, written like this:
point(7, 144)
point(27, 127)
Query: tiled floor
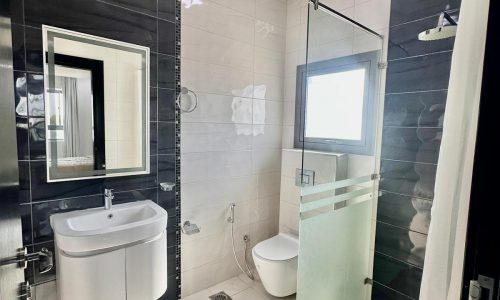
point(239, 288)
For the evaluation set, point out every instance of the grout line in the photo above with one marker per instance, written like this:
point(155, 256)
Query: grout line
point(451, 11)
point(420, 55)
point(400, 227)
point(396, 291)
point(406, 195)
point(399, 260)
point(130, 9)
point(407, 161)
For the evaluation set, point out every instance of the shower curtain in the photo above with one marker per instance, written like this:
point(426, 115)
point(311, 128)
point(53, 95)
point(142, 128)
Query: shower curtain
point(443, 267)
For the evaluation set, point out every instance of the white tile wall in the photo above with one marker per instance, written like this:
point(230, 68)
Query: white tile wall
point(233, 58)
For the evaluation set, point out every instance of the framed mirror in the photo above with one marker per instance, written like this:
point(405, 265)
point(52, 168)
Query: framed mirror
point(96, 106)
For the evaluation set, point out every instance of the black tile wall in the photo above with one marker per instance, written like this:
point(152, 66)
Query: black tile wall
point(397, 275)
point(416, 89)
point(151, 23)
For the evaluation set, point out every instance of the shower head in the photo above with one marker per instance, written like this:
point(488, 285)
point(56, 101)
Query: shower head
point(438, 33)
point(442, 31)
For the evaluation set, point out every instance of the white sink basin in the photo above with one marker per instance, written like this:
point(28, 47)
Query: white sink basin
point(93, 230)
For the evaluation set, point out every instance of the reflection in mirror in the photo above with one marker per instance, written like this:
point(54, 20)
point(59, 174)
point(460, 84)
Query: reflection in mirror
point(97, 108)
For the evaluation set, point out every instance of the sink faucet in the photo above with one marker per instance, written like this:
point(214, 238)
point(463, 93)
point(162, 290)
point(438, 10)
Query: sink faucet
point(108, 198)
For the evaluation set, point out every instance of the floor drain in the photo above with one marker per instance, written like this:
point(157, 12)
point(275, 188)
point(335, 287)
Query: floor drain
point(220, 296)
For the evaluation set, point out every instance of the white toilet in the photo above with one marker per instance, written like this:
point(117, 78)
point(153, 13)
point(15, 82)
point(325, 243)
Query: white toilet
point(276, 262)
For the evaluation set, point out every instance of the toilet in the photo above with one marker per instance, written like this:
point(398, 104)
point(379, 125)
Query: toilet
point(276, 262)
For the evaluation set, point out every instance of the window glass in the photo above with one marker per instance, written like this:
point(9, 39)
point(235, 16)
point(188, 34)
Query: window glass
point(335, 105)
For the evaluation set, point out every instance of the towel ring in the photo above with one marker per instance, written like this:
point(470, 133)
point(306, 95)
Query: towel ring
point(185, 91)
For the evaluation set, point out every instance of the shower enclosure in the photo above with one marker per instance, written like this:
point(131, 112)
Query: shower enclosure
point(338, 109)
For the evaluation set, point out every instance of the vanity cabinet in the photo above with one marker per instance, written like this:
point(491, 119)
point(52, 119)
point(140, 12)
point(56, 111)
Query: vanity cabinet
point(136, 272)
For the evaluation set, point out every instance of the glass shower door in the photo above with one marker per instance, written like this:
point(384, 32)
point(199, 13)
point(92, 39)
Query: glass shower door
point(339, 106)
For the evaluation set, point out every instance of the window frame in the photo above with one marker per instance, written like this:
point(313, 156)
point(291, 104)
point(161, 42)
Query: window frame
point(365, 146)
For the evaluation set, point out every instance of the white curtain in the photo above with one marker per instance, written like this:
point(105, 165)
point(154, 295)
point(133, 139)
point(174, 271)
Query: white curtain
point(71, 127)
point(443, 267)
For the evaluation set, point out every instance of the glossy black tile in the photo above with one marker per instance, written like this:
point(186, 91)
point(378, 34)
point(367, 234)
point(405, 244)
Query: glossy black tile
point(36, 106)
point(404, 42)
point(166, 37)
point(21, 111)
point(402, 244)
point(153, 104)
point(166, 168)
point(409, 10)
point(144, 6)
point(412, 179)
point(167, 200)
point(29, 272)
point(397, 275)
point(404, 211)
point(127, 183)
point(42, 190)
point(42, 231)
point(50, 275)
point(171, 257)
point(25, 213)
point(166, 138)
point(171, 231)
point(36, 132)
point(422, 73)
point(20, 94)
point(136, 195)
point(12, 9)
point(22, 138)
point(24, 182)
point(411, 144)
point(153, 138)
point(166, 72)
point(380, 292)
point(166, 10)
point(166, 105)
point(153, 69)
point(96, 18)
point(18, 50)
point(415, 109)
point(34, 49)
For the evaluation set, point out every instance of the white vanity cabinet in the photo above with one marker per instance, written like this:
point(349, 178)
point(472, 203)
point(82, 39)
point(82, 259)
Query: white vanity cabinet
point(112, 254)
point(138, 272)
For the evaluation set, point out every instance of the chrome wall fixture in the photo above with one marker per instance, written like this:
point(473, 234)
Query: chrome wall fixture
point(186, 91)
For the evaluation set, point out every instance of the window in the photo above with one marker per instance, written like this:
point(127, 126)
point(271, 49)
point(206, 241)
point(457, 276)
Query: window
point(335, 104)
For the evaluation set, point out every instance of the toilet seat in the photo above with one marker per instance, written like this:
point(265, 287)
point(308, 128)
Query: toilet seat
point(281, 247)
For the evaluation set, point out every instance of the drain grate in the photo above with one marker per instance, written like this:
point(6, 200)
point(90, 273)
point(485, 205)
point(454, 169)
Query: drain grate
point(220, 296)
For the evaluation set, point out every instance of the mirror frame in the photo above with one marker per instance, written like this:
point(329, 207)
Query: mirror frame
point(145, 101)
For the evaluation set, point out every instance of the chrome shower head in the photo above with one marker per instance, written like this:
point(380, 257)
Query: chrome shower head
point(438, 33)
point(446, 28)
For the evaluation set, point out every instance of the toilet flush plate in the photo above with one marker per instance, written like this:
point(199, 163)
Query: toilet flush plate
point(304, 177)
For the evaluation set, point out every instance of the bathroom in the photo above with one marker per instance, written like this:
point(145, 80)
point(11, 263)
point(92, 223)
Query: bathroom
point(183, 149)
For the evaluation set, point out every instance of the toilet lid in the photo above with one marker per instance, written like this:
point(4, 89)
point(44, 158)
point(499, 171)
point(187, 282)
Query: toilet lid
point(279, 247)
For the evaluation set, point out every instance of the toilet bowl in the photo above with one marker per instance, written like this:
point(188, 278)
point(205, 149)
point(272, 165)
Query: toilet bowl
point(276, 262)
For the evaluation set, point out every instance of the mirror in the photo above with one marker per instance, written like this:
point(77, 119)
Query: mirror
point(97, 106)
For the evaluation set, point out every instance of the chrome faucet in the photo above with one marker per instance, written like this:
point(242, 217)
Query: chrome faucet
point(108, 198)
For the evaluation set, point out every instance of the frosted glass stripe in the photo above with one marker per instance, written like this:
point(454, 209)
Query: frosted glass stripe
point(304, 207)
point(309, 190)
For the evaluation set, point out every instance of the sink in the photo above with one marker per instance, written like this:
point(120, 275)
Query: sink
point(95, 230)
